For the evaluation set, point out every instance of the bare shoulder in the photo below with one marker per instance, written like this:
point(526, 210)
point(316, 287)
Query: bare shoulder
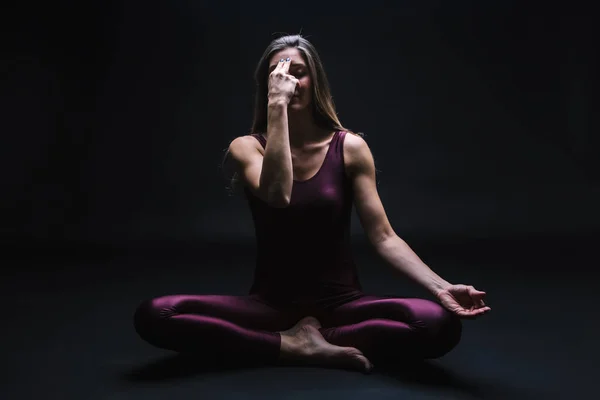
point(243, 146)
point(356, 152)
point(243, 141)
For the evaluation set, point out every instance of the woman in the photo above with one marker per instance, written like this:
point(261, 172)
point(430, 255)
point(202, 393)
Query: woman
point(302, 171)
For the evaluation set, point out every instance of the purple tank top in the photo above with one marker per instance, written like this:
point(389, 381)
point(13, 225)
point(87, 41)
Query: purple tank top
point(303, 250)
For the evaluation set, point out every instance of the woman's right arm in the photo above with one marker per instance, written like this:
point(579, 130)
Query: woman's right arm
point(270, 177)
point(277, 172)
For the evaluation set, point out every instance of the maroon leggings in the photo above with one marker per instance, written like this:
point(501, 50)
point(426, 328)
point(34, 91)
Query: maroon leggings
point(244, 328)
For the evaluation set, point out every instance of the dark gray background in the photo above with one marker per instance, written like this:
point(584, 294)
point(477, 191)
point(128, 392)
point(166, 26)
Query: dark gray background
point(482, 117)
point(116, 115)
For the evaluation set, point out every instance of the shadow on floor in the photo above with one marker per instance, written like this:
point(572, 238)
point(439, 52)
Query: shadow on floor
point(431, 374)
point(175, 367)
point(179, 366)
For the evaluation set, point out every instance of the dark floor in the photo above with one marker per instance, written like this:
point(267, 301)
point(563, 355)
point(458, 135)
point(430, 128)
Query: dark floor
point(68, 334)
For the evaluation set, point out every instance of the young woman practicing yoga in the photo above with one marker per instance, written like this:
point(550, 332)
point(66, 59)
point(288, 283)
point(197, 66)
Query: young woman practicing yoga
point(302, 171)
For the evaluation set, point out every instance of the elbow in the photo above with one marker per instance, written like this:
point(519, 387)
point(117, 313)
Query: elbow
point(380, 238)
point(273, 198)
point(279, 202)
point(276, 197)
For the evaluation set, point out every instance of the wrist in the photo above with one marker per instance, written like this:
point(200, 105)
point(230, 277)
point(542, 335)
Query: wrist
point(438, 287)
point(277, 104)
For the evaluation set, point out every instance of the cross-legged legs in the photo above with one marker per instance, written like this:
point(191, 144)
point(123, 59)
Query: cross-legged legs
point(389, 328)
point(240, 328)
point(246, 329)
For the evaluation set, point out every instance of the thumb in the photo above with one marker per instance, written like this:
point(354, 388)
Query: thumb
point(472, 290)
point(476, 295)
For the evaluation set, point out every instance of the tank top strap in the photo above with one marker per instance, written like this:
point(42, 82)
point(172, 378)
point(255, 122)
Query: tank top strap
point(338, 145)
point(260, 139)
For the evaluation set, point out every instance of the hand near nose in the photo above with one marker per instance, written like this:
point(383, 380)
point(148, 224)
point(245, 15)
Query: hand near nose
point(282, 85)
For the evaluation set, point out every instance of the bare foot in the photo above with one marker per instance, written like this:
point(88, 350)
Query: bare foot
point(293, 331)
point(304, 343)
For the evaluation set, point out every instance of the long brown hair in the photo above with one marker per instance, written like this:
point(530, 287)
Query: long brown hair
point(323, 107)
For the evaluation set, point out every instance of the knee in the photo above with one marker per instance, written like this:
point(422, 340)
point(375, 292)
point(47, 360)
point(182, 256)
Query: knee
point(443, 333)
point(150, 313)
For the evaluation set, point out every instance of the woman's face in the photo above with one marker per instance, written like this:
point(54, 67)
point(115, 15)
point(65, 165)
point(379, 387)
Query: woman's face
point(298, 68)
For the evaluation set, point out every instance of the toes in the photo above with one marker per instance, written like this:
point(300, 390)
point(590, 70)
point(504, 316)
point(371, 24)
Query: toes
point(360, 363)
point(368, 366)
point(364, 363)
point(359, 360)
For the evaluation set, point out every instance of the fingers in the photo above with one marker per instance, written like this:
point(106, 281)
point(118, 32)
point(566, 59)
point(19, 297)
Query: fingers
point(473, 291)
point(278, 66)
point(467, 314)
point(286, 65)
point(471, 314)
point(282, 66)
point(477, 296)
point(478, 301)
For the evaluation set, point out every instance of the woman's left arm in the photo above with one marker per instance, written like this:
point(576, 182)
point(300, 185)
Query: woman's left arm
point(396, 252)
point(463, 300)
point(373, 218)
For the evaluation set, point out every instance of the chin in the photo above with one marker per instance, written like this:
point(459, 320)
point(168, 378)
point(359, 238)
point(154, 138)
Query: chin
point(297, 106)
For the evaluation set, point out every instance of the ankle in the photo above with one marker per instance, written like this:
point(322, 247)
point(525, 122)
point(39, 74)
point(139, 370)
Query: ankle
point(289, 348)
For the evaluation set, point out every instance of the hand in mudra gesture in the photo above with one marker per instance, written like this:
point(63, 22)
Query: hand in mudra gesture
point(464, 301)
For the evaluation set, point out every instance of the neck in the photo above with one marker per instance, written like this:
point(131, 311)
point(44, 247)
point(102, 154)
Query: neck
point(303, 130)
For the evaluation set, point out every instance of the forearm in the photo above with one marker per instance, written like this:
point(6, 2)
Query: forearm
point(398, 253)
point(277, 174)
